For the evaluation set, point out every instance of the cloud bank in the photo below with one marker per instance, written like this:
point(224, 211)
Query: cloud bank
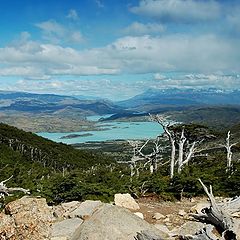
point(139, 54)
point(178, 10)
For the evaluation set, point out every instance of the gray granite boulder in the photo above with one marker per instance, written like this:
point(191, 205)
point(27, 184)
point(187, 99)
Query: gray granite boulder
point(114, 223)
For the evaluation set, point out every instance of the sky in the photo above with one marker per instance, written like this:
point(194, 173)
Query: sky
point(116, 49)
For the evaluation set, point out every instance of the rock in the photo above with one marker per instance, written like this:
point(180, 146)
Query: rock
point(7, 226)
point(139, 214)
point(66, 228)
point(114, 223)
point(197, 208)
point(26, 218)
point(182, 213)
point(158, 216)
point(70, 206)
point(146, 235)
point(63, 209)
point(189, 228)
point(166, 220)
point(59, 238)
point(126, 201)
point(162, 228)
point(85, 210)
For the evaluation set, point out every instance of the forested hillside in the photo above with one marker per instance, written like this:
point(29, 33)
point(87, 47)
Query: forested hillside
point(61, 173)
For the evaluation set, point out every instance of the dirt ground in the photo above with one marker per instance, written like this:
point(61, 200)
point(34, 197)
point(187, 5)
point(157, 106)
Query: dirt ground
point(175, 213)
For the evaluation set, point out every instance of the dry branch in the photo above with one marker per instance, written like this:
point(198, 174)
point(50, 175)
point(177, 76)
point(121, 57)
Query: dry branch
point(165, 125)
point(219, 216)
point(5, 191)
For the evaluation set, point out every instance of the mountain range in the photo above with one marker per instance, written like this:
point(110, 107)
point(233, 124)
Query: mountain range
point(51, 103)
point(51, 112)
point(182, 97)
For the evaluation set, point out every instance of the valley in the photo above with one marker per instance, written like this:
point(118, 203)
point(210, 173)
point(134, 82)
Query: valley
point(96, 156)
point(65, 114)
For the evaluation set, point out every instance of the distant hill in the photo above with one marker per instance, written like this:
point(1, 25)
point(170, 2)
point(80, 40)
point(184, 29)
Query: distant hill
point(155, 98)
point(211, 107)
point(215, 116)
point(51, 103)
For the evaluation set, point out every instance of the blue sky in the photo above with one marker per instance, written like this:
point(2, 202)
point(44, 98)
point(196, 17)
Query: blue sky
point(116, 49)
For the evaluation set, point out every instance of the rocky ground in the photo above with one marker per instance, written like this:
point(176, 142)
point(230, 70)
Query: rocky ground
point(31, 218)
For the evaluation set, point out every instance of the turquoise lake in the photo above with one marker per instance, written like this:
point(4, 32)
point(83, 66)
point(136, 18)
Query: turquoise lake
point(114, 131)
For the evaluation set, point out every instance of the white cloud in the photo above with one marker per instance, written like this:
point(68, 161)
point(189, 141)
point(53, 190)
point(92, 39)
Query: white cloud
point(233, 19)
point(137, 28)
point(112, 89)
point(72, 14)
point(207, 53)
point(104, 87)
point(178, 10)
point(57, 33)
point(199, 81)
point(51, 30)
point(143, 54)
point(99, 3)
point(76, 37)
point(158, 76)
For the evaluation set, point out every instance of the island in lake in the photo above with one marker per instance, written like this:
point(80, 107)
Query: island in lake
point(76, 135)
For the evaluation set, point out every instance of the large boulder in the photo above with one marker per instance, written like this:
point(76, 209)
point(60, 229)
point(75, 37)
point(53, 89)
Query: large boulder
point(114, 223)
point(65, 229)
point(62, 210)
point(7, 227)
point(84, 210)
point(126, 201)
point(189, 228)
point(26, 218)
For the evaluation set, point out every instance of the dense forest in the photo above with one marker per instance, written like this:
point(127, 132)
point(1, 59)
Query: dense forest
point(62, 173)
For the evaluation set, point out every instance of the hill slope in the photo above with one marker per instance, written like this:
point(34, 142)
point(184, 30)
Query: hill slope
point(51, 113)
point(37, 149)
point(53, 170)
point(50, 103)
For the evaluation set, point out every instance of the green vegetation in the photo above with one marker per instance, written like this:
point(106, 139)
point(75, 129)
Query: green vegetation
point(62, 173)
point(214, 116)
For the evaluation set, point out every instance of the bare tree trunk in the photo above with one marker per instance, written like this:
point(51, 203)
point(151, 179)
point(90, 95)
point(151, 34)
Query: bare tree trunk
point(181, 151)
point(172, 161)
point(151, 169)
point(228, 147)
point(190, 153)
point(189, 156)
point(219, 216)
point(171, 138)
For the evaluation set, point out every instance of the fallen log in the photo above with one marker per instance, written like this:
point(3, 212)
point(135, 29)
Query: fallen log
point(219, 215)
point(5, 191)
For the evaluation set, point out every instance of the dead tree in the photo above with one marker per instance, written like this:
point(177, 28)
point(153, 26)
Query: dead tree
point(150, 159)
point(181, 144)
point(185, 149)
point(5, 191)
point(171, 138)
point(228, 147)
point(219, 215)
point(134, 159)
point(189, 153)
